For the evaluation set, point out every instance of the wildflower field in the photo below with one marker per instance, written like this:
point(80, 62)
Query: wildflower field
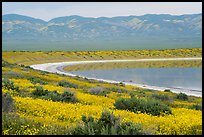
point(41, 103)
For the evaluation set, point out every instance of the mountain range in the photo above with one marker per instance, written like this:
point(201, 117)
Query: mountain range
point(148, 31)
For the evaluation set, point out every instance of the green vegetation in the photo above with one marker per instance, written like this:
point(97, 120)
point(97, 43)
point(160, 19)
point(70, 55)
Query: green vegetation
point(182, 96)
point(8, 104)
point(64, 83)
point(35, 80)
point(39, 91)
point(152, 107)
point(162, 97)
point(107, 124)
point(196, 107)
point(8, 84)
point(119, 90)
point(66, 96)
point(54, 96)
point(42, 103)
point(167, 90)
point(98, 91)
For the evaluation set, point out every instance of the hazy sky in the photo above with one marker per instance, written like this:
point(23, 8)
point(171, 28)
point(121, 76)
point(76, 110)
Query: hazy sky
point(49, 10)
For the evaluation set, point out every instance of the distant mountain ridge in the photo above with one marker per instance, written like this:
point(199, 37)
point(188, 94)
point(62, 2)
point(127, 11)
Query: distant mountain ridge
point(76, 31)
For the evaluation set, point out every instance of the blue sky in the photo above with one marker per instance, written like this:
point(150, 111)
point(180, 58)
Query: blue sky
point(49, 10)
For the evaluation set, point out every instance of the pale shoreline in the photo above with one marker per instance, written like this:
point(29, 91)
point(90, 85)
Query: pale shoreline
point(58, 68)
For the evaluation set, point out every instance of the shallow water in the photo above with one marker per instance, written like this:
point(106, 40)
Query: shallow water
point(185, 78)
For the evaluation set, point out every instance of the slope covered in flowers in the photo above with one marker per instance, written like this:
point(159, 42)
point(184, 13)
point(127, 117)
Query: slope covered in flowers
point(39, 115)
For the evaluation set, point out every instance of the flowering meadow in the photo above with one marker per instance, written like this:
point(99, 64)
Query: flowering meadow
point(42, 103)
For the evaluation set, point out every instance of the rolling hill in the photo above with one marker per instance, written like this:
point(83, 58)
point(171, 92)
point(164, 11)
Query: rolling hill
point(150, 31)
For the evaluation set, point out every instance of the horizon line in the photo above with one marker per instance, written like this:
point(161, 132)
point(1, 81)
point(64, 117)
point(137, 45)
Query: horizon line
point(102, 16)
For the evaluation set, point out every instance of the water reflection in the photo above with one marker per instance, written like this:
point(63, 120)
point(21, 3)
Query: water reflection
point(179, 74)
point(148, 64)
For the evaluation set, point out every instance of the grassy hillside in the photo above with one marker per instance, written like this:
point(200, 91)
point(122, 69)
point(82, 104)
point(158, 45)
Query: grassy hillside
point(153, 64)
point(28, 57)
point(41, 103)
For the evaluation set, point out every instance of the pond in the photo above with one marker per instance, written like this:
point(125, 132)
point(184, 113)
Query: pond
point(185, 78)
point(178, 75)
point(182, 75)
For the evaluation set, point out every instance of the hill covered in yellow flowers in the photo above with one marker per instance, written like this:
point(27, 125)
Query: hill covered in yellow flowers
point(36, 102)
